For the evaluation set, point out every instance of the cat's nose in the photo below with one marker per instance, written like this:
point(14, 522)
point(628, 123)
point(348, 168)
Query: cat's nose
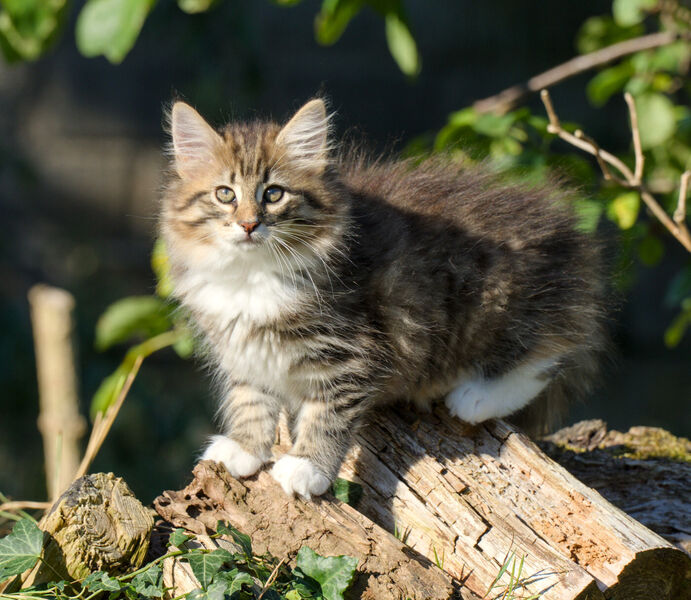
point(249, 226)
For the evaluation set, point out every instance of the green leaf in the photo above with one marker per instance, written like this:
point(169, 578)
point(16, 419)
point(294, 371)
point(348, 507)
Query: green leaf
point(206, 564)
point(28, 28)
point(334, 573)
point(346, 491)
point(333, 18)
point(402, 43)
point(680, 288)
point(144, 316)
point(148, 583)
point(651, 250)
point(160, 264)
point(184, 347)
point(493, 125)
point(196, 6)
point(108, 391)
point(598, 32)
point(675, 332)
point(234, 580)
point(110, 27)
point(179, 537)
point(656, 119)
point(623, 210)
point(240, 538)
point(631, 12)
point(21, 549)
point(98, 581)
point(588, 213)
point(608, 82)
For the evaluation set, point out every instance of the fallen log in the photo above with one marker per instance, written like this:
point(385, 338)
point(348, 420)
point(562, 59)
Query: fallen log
point(281, 525)
point(476, 494)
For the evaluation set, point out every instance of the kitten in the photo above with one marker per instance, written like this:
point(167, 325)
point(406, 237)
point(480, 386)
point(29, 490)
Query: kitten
point(325, 286)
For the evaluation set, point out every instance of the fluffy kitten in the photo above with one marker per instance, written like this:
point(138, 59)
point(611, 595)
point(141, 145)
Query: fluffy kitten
point(325, 286)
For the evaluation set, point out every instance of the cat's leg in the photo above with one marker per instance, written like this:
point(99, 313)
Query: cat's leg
point(250, 418)
point(477, 399)
point(321, 436)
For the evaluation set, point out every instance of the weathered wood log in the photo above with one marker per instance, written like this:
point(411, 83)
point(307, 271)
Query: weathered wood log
point(281, 525)
point(473, 495)
point(96, 524)
point(645, 471)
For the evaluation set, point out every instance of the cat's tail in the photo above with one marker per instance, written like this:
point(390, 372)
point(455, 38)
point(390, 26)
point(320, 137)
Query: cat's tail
point(578, 373)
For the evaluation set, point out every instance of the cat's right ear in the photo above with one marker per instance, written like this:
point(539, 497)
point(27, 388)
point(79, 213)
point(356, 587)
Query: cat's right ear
point(194, 140)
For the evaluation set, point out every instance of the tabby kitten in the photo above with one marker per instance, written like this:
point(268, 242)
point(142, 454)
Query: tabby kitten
point(325, 286)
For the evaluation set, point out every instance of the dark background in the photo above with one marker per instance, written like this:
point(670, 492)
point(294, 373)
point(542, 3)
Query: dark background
point(80, 163)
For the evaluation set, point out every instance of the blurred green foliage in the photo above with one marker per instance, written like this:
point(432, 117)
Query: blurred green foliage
point(515, 142)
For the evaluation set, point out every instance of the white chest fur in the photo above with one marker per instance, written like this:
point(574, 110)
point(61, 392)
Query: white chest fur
point(233, 305)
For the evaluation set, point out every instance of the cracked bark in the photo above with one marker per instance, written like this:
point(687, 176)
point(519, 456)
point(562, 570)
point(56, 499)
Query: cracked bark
point(465, 498)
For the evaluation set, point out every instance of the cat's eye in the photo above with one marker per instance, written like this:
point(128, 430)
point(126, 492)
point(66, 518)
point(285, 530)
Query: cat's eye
point(224, 194)
point(273, 193)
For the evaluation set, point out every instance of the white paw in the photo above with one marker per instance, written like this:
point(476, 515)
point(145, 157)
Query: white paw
point(472, 402)
point(236, 459)
point(298, 475)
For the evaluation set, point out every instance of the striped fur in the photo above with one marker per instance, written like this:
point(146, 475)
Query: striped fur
point(367, 283)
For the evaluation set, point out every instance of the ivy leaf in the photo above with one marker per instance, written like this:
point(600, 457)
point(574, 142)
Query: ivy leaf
point(21, 549)
point(179, 537)
point(233, 580)
point(110, 27)
point(333, 573)
point(402, 43)
point(240, 538)
point(206, 564)
point(148, 583)
point(98, 581)
point(146, 316)
point(623, 210)
point(346, 491)
point(215, 591)
point(631, 12)
point(656, 119)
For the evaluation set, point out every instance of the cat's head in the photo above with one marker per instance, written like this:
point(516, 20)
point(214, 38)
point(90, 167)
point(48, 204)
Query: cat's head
point(250, 189)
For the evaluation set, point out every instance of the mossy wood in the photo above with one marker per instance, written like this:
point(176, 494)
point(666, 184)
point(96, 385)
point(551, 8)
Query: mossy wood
point(97, 524)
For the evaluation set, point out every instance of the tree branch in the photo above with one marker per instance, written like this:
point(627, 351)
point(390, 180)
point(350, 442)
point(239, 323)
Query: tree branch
point(507, 99)
point(630, 179)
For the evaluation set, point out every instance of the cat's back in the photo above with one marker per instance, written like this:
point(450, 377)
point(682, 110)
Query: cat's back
point(436, 193)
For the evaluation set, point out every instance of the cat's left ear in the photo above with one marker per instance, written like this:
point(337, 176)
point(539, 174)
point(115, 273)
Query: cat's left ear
point(194, 140)
point(305, 136)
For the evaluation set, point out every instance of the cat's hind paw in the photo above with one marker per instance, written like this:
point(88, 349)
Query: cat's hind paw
point(234, 457)
point(299, 475)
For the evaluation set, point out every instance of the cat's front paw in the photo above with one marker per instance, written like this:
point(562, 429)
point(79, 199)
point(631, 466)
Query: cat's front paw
point(471, 402)
point(298, 475)
point(234, 457)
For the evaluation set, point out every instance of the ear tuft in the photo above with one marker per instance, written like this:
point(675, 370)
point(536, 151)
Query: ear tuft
point(194, 140)
point(305, 136)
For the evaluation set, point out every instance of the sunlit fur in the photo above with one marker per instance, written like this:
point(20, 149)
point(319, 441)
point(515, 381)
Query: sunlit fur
point(369, 282)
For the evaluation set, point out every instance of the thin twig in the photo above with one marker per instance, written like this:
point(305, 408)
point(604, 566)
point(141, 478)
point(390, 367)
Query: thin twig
point(98, 434)
point(636, 135)
point(676, 227)
point(680, 212)
point(271, 578)
point(25, 504)
point(507, 99)
point(608, 175)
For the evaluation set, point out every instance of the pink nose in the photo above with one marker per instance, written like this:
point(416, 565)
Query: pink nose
point(249, 226)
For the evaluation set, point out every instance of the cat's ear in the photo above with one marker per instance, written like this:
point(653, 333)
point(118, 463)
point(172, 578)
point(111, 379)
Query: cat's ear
point(305, 136)
point(194, 140)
